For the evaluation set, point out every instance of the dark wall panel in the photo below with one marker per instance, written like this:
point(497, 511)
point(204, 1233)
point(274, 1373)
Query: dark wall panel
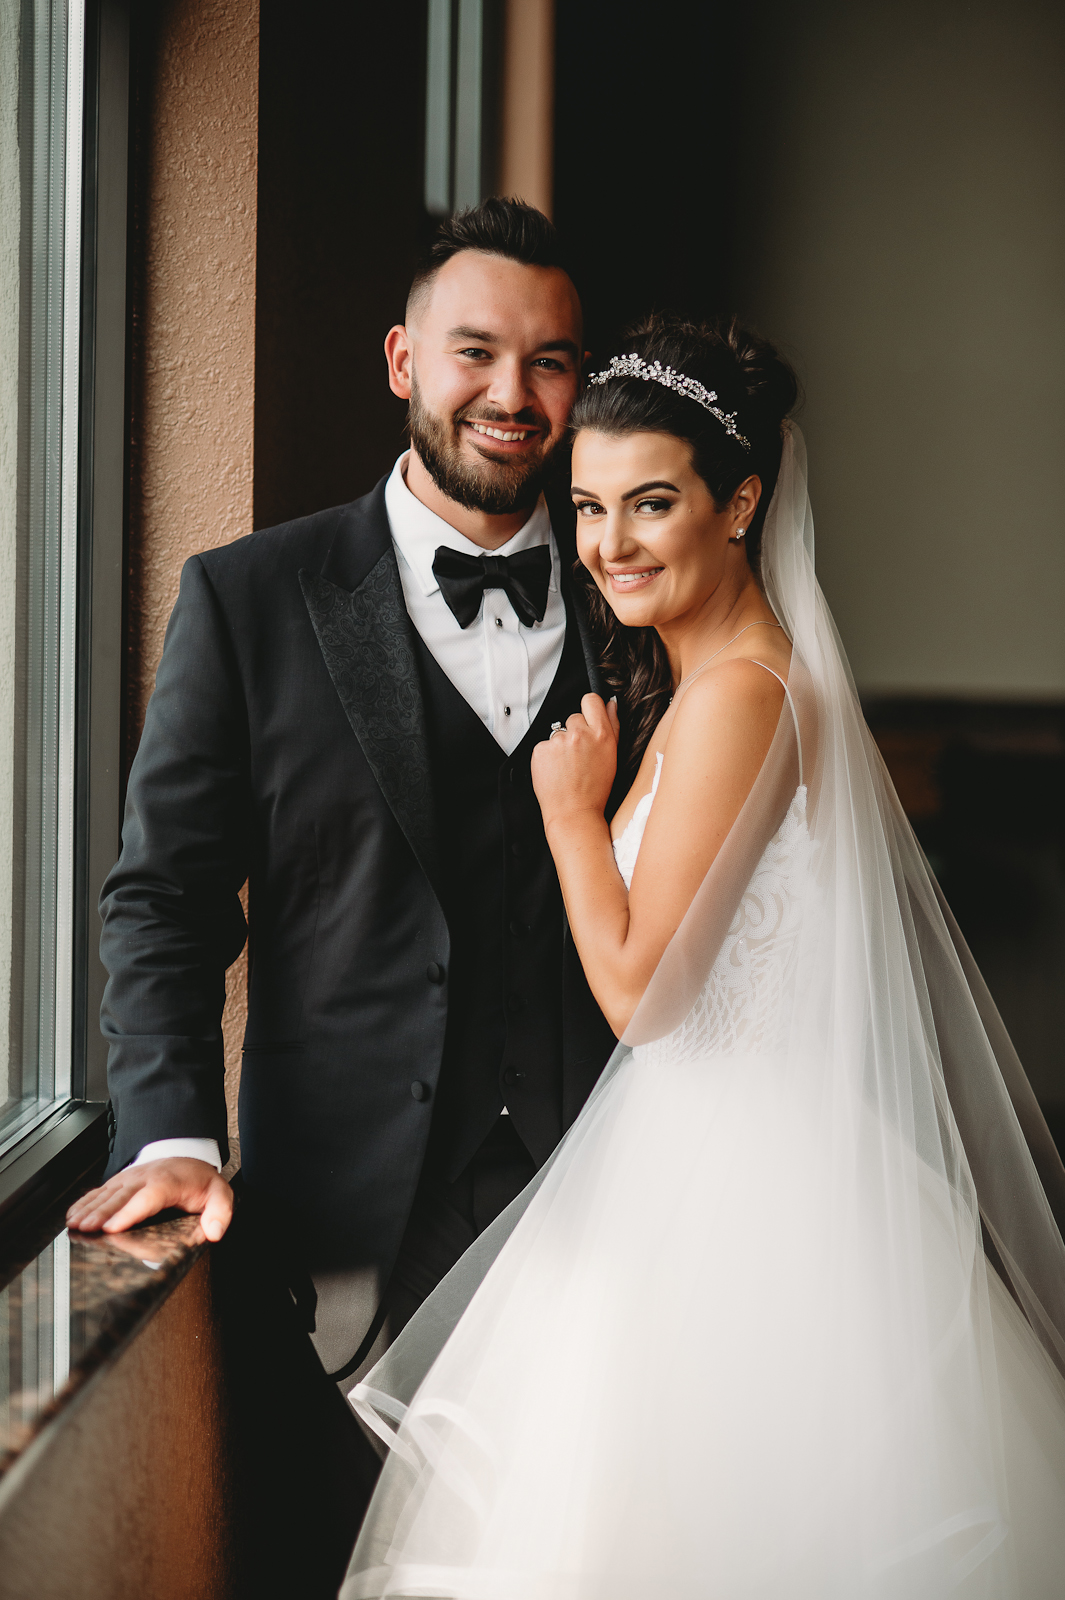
point(341, 130)
point(648, 108)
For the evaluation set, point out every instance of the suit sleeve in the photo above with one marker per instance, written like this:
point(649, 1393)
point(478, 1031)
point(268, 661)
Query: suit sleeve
point(172, 918)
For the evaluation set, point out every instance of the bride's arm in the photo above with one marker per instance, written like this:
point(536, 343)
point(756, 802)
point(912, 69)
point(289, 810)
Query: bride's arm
point(721, 733)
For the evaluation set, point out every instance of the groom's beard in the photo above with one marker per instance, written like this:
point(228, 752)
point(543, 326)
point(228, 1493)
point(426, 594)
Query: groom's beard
point(497, 488)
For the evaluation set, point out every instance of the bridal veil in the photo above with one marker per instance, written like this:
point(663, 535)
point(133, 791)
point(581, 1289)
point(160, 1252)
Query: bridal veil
point(901, 1171)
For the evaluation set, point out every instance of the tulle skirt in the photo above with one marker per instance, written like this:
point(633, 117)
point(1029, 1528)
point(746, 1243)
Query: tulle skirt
point(722, 1355)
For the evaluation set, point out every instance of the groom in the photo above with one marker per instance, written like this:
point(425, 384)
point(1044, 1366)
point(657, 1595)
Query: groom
point(344, 716)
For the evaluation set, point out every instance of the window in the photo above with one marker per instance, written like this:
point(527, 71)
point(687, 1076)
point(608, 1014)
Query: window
point(462, 47)
point(41, 75)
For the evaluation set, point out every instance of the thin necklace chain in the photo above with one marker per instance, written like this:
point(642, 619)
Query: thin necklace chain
point(690, 675)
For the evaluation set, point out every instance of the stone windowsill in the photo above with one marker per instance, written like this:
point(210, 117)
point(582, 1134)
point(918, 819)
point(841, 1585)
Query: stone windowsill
point(68, 1306)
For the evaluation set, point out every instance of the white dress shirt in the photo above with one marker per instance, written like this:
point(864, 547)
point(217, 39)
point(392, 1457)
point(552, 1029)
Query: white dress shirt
point(500, 667)
point(168, 1149)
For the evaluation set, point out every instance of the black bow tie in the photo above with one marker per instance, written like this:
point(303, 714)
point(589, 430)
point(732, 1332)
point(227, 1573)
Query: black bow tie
point(523, 577)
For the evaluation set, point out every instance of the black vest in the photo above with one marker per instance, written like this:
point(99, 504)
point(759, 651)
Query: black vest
point(514, 993)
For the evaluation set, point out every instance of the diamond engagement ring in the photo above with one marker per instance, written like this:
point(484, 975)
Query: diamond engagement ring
point(556, 727)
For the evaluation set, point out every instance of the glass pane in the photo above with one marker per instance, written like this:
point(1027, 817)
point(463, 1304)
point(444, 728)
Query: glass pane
point(40, 161)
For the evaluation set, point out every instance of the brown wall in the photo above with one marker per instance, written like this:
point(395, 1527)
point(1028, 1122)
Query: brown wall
point(195, 69)
point(132, 1499)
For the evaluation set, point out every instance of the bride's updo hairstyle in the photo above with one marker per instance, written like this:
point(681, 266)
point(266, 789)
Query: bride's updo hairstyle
point(751, 380)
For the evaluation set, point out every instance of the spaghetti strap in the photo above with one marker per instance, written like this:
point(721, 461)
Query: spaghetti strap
point(791, 706)
point(681, 688)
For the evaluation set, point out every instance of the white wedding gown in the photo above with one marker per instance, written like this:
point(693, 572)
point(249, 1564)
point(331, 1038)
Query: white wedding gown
point(665, 1387)
point(738, 1342)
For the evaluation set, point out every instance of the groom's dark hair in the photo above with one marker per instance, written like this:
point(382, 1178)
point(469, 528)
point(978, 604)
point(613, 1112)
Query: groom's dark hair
point(497, 227)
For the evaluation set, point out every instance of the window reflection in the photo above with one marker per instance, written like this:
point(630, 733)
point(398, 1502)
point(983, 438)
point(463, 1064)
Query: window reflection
point(34, 1339)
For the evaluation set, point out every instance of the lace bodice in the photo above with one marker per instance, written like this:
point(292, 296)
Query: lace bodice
point(743, 1003)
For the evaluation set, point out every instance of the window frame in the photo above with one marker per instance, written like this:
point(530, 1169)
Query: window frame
point(70, 1138)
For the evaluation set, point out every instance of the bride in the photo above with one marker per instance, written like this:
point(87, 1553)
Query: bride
point(784, 1315)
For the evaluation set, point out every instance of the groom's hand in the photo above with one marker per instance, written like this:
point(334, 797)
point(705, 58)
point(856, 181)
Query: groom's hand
point(137, 1193)
point(573, 771)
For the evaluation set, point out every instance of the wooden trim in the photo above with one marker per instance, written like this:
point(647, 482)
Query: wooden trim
point(527, 117)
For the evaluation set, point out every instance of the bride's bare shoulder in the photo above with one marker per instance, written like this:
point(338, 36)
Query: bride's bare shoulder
point(730, 710)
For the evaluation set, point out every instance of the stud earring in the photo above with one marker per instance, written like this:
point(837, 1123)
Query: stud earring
point(740, 532)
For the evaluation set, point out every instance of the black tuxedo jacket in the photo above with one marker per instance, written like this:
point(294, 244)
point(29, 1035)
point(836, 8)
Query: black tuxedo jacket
point(286, 744)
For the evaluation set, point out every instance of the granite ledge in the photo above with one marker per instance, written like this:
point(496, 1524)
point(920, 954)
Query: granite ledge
point(67, 1312)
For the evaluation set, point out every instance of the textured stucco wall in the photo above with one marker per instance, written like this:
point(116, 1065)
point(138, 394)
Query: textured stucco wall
point(196, 65)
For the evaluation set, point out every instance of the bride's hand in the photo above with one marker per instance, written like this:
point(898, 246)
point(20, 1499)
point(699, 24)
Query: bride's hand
point(573, 771)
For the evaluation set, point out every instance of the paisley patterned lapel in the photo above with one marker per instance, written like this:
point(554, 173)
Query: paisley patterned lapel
point(365, 638)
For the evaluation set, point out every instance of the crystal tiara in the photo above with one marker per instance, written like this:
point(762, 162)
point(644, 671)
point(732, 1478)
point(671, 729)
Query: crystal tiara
point(633, 367)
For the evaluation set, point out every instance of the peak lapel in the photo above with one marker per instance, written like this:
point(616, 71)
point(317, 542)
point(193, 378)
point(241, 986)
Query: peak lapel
point(365, 640)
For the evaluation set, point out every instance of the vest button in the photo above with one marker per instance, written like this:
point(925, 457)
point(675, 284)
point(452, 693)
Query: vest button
point(512, 1076)
point(519, 929)
point(419, 1090)
point(434, 972)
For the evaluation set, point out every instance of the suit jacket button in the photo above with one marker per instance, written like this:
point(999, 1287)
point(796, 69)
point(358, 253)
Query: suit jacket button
point(434, 972)
point(515, 1003)
point(519, 929)
point(517, 851)
point(419, 1090)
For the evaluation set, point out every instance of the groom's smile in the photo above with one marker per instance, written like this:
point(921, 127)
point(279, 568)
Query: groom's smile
point(501, 434)
point(497, 438)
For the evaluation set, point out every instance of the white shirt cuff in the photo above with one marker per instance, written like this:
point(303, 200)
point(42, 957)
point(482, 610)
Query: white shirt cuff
point(169, 1149)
